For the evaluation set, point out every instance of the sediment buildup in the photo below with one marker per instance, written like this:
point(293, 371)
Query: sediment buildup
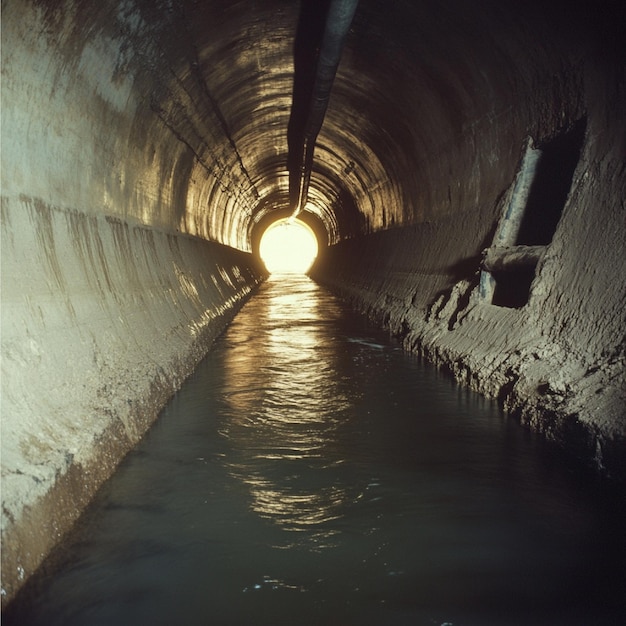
point(467, 188)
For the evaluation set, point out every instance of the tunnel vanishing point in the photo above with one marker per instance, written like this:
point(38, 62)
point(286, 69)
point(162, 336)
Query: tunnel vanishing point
point(462, 163)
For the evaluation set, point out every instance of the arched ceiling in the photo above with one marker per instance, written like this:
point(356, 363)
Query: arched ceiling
point(418, 83)
point(428, 98)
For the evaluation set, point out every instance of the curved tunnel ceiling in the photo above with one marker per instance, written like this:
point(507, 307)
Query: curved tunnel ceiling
point(419, 82)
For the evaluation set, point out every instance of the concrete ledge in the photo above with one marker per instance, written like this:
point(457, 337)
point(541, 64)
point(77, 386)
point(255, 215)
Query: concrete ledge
point(512, 257)
point(576, 404)
point(557, 364)
point(102, 320)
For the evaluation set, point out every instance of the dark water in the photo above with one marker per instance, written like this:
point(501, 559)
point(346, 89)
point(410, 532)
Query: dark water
point(310, 472)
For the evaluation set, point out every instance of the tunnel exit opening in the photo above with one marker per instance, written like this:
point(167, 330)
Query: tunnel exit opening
point(288, 246)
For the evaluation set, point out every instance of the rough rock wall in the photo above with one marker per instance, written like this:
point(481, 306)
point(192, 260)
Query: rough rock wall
point(556, 356)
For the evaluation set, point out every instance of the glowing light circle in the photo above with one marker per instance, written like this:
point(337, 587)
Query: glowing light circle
point(288, 246)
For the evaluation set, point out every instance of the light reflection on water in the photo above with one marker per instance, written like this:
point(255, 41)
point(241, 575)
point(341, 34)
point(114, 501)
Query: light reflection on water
point(309, 472)
point(289, 420)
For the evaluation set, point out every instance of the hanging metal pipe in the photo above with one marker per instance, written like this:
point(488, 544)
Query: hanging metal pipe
point(310, 101)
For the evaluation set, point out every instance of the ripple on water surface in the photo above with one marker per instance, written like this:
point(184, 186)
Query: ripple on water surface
point(310, 472)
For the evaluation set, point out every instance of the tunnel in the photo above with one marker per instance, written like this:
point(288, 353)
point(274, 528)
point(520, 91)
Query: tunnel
point(461, 163)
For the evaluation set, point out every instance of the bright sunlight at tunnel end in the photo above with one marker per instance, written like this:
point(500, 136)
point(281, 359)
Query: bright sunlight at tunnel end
point(288, 246)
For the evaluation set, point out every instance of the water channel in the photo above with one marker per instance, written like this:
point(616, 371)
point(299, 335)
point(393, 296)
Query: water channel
point(311, 472)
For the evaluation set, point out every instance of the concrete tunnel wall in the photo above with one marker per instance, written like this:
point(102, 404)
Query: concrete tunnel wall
point(144, 148)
